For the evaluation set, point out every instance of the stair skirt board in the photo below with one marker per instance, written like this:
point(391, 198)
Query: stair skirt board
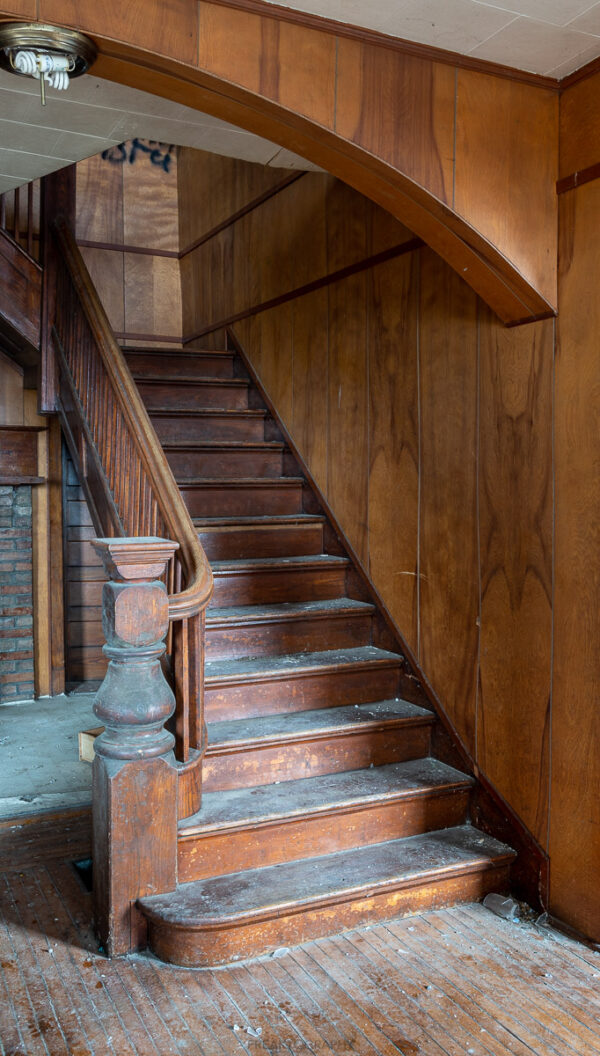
point(322, 808)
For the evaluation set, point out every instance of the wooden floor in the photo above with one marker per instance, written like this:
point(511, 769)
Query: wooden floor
point(446, 983)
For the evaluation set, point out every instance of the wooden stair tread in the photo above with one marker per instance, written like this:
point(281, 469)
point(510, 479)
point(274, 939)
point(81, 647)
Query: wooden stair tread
point(190, 379)
point(264, 667)
point(240, 482)
point(324, 794)
point(256, 564)
point(207, 412)
point(222, 445)
point(266, 521)
point(240, 614)
point(319, 723)
point(191, 353)
point(264, 893)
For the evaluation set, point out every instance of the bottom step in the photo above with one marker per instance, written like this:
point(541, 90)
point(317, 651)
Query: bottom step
point(229, 918)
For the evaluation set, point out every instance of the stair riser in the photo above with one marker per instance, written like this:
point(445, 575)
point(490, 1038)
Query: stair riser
point(180, 428)
point(266, 587)
point(220, 945)
point(263, 765)
point(229, 463)
point(171, 364)
point(287, 636)
point(240, 700)
point(278, 541)
point(241, 501)
point(192, 395)
point(200, 857)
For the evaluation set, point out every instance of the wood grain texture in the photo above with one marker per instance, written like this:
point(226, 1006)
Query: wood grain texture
point(401, 108)
point(579, 126)
point(100, 201)
point(347, 475)
point(449, 602)
point(168, 28)
point(20, 294)
point(506, 170)
point(292, 65)
point(150, 212)
point(394, 439)
point(152, 295)
point(11, 391)
point(107, 271)
point(515, 504)
point(575, 817)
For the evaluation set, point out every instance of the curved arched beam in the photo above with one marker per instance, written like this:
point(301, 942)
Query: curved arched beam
point(501, 234)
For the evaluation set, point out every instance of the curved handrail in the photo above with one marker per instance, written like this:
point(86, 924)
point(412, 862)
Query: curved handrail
point(198, 589)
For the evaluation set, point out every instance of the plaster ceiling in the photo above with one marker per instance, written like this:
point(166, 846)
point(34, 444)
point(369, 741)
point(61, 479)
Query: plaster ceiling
point(95, 114)
point(550, 37)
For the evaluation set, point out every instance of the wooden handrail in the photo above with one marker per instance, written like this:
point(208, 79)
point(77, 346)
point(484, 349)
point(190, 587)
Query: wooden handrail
point(128, 481)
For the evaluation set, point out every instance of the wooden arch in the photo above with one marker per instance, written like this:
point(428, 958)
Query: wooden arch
point(464, 158)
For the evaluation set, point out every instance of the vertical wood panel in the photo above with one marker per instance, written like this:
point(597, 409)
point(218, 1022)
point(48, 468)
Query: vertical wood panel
point(310, 321)
point(401, 108)
point(515, 488)
point(394, 440)
point(168, 28)
point(152, 295)
point(11, 392)
point(107, 271)
point(99, 201)
point(449, 607)
point(150, 214)
point(263, 55)
point(348, 438)
point(503, 133)
point(575, 803)
point(579, 125)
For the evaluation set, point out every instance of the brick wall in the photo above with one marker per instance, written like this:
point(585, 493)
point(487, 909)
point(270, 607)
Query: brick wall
point(16, 602)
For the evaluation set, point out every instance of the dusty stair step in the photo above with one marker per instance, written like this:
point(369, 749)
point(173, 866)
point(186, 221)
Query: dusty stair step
point(288, 627)
point(169, 364)
point(244, 914)
point(224, 458)
point(249, 581)
point(191, 392)
point(303, 681)
point(229, 497)
point(271, 536)
point(257, 751)
point(267, 825)
point(213, 424)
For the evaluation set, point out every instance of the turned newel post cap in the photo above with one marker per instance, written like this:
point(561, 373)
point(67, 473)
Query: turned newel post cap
point(136, 560)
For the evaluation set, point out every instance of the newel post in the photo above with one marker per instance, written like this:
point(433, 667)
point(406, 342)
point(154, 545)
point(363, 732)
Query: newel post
point(134, 774)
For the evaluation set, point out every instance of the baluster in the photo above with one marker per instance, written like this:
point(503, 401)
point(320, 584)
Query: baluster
point(16, 211)
point(3, 211)
point(30, 219)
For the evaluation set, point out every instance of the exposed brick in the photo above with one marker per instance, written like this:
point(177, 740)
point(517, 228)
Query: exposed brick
point(16, 676)
point(25, 665)
point(24, 621)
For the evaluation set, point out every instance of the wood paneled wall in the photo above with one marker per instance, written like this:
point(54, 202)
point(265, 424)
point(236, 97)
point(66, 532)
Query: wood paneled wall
point(429, 428)
point(466, 158)
point(132, 205)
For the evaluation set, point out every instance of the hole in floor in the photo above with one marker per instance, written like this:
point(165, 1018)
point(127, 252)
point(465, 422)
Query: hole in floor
point(84, 870)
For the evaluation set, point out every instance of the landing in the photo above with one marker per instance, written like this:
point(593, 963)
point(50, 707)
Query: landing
point(39, 756)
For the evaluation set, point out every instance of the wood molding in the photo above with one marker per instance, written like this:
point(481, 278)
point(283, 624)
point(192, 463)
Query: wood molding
point(383, 40)
point(581, 74)
point(491, 810)
point(248, 208)
point(20, 293)
point(576, 179)
point(310, 287)
point(124, 335)
point(124, 248)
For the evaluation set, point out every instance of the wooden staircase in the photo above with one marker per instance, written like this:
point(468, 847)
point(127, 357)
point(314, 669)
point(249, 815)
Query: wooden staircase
point(322, 806)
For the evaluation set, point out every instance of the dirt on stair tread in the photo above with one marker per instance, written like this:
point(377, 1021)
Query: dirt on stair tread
point(229, 482)
point(189, 379)
point(222, 445)
point(286, 610)
point(264, 892)
point(288, 663)
point(291, 725)
point(266, 521)
point(415, 777)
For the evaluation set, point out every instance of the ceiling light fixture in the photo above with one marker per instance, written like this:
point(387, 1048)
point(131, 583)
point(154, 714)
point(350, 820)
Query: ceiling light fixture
point(48, 53)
